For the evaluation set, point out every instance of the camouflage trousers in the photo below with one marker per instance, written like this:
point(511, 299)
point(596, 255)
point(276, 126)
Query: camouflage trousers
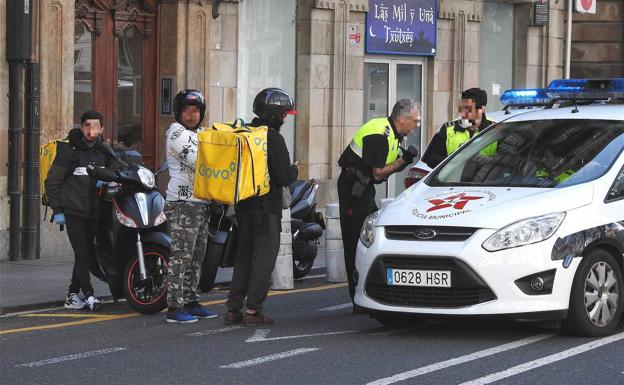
point(189, 236)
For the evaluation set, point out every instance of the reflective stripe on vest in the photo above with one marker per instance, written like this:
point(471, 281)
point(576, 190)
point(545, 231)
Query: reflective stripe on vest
point(559, 178)
point(372, 127)
point(455, 139)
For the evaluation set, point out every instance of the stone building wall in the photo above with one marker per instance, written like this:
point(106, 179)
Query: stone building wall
point(598, 42)
point(4, 138)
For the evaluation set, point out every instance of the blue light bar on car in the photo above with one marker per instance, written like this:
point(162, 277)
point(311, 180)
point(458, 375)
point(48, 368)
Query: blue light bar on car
point(586, 89)
point(525, 97)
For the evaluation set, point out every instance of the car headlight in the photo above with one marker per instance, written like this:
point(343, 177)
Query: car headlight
point(525, 232)
point(367, 236)
point(147, 177)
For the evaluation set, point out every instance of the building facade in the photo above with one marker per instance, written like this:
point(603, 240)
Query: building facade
point(128, 58)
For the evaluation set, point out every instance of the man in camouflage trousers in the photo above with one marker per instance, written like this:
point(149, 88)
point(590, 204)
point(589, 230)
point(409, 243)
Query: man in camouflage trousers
point(188, 217)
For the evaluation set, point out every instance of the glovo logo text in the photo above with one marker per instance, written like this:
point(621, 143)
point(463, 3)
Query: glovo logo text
point(210, 172)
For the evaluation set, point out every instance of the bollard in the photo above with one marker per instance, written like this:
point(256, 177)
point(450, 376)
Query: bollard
point(334, 253)
point(282, 276)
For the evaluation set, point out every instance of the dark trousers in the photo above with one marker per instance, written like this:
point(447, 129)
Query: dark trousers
point(258, 245)
point(353, 212)
point(81, 233)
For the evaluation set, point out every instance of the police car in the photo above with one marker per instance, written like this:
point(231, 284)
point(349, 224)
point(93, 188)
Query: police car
point(516, 101)
point(535, 231)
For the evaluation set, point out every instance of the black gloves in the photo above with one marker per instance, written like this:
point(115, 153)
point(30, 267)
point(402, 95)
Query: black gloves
point(409, 154)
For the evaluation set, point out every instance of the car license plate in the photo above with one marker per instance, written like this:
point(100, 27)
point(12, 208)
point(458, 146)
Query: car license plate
point(426, 278)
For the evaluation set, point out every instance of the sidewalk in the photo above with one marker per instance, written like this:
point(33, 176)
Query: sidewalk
point(44, 282)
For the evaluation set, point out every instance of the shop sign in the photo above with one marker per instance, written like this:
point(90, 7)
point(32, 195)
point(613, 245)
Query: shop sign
point(586, 6)
point(403, 27)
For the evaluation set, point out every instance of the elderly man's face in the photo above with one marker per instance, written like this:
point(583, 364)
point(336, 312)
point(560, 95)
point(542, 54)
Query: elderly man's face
point(406, 123)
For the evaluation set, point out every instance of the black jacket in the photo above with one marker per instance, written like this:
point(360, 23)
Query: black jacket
point(68, 187)
point(281, 173)
point(436, 151)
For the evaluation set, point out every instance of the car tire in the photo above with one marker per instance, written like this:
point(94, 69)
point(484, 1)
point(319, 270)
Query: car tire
point(596, 299)
point(399, 321)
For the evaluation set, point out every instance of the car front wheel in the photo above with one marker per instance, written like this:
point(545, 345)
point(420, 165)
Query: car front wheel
point(596, 299)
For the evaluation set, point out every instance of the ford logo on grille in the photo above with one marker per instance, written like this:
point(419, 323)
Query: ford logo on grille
point(425, 234)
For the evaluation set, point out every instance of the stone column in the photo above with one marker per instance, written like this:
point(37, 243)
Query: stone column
point(282, 276)
point(4, 137)
point(329, 86)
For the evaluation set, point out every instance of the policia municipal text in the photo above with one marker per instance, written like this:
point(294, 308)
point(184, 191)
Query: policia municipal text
point(371, 157)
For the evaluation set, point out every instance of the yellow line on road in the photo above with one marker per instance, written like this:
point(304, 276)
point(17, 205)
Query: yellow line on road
point(65, 324)
point(69, 315)
point(105, 317)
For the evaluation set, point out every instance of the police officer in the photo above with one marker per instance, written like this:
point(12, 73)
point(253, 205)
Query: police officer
point(259, 218)
point(454, 133)
point(187, 216)
point(371, 157)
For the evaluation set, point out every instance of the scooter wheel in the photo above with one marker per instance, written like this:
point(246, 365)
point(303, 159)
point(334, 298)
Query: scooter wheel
point(147, 296)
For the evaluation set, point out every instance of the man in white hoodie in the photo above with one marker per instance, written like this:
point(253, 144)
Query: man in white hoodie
point(188, 216)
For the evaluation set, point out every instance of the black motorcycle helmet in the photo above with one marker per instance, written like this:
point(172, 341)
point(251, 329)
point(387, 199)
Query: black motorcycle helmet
point(189, 97)
point(272, 104)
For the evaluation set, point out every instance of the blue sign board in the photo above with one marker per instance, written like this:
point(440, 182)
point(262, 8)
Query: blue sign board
point(403, 27)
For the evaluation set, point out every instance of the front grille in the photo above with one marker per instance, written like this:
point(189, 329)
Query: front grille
point(467, 288)
point(429, 233)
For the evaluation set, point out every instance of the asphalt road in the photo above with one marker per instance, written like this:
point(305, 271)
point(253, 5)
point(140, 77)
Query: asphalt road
point(316, 340)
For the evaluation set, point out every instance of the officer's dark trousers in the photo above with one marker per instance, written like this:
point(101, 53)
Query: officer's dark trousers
point(258, 245)
point(81, 233)
point(353, 212)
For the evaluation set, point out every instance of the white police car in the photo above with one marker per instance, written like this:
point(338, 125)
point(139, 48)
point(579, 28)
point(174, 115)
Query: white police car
point(516, 101)
point(534, 232)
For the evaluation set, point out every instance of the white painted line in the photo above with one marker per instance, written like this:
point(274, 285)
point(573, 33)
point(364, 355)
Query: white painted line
point(337, 307)
point(545, 360)
point(261, 335)
point(272, 357)
point(312, 277)
point(459, 360)
point(71, 357)
point(215, 331)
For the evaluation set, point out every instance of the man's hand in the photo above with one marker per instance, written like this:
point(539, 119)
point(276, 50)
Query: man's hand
point(59, 218)
point(409, 154)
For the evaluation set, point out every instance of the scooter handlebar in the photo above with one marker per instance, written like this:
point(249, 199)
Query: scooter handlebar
point(101, 173)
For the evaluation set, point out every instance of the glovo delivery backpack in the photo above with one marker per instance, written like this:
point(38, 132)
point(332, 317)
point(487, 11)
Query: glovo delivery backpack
point(231, 163)
point(47, 153)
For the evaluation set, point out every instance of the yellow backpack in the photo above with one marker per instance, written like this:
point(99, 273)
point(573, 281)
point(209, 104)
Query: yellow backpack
point(47, 153)
point(231, 163)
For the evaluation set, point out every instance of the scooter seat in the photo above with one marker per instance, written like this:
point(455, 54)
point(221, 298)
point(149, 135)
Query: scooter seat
point(309, 231)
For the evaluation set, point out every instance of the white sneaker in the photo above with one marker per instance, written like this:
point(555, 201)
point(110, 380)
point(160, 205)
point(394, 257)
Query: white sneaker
point(93, 303)
point(73, 301)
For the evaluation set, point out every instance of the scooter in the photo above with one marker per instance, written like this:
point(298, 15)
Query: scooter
point(133, 244)
point(307, 226)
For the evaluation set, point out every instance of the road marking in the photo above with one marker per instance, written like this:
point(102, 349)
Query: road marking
point(311, 277)
point(545, 360)
point(215, 331)
point(272, 357)
point(65, 324)
point(69, 315)
point(71, 357)
point(261, 335)
point(337, 307)
point(111, 318)
point(459, 360)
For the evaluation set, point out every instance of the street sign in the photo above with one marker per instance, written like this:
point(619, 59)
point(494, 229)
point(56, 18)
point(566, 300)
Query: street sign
point(586, 6)
point(401, 27)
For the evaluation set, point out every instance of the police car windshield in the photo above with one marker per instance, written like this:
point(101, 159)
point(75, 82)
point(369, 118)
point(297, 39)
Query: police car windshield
point(543, 153)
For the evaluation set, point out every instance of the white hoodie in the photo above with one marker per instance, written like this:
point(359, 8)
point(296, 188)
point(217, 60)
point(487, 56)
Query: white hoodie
point(182, 146)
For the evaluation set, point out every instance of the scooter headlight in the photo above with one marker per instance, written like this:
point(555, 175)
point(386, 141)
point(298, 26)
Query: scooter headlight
point(160, 219)
point(123, 219)
point(525, 232)
point(367, 236)
point(147, 177)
